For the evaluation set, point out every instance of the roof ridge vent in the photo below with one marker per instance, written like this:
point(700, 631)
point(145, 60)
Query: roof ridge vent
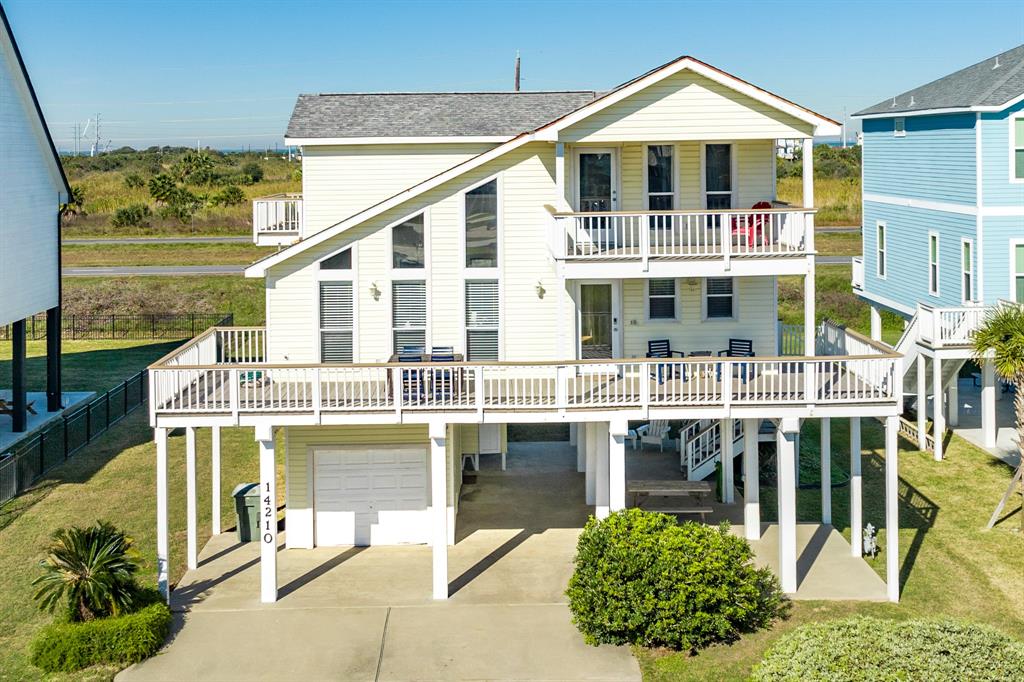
point(911, 100)
point(893, 102)
point(996, 65)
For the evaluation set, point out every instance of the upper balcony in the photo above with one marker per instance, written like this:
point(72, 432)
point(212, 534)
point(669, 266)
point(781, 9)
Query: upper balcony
point(276, 219)
point(762, 241)
point(857, 278)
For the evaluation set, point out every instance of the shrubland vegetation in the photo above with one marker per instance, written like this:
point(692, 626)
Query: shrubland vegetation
point(836, 184)
point(171, 190)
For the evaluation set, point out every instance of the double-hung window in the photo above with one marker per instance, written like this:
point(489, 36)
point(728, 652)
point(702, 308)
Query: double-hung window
point(718, 180)
point(719, 302)
point(482, 226)
point(880, 249)
point(660, 182)
point(1017, 147)
point(337, 308)
point(1018, 272)
point(967, 270)
point(409, 315)
point(661, 299)
point(933, 264)
point(482, 319)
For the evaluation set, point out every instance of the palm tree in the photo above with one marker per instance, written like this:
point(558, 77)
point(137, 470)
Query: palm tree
point(1001, 341)
point(88, 571)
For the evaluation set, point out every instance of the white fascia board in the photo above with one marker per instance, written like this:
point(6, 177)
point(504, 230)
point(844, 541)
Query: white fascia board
point(886, 302)
point(342, 141)
point(823, 126)
point(943, 110)
point(944, 206)
point(259, 269)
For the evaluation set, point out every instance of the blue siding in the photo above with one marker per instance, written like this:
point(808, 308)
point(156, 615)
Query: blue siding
point(934, 161)
point(995, 145)
point(907, 253)
point(998, 231)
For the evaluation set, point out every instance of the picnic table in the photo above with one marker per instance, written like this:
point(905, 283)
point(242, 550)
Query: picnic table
point(420, 382)
point(643, 490)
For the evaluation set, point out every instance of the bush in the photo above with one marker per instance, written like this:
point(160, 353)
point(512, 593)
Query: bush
point(134, 181)
point(118, 640)
point(872, 649)
point(162, 187)
point(133, 215)
point(253, 170)
point(642, 578)
point(229, 196)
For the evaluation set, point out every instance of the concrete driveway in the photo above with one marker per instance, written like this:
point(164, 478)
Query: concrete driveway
point(366, 613)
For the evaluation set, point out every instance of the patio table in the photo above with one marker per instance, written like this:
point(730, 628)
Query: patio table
point(646, 489)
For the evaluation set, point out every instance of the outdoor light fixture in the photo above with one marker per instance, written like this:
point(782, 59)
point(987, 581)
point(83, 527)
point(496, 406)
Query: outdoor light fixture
point(374, 291)
point(540, 289)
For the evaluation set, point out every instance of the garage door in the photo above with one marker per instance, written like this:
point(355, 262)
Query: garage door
point(370, 495)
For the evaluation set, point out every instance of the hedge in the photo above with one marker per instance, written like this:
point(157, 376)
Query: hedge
point(863, 648)
point(118, 640)
point(643, 578)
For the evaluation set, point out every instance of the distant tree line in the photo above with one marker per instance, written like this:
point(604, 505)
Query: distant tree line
point(829, 162)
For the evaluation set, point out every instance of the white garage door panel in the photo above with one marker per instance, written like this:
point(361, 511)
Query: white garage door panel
point(371, 495)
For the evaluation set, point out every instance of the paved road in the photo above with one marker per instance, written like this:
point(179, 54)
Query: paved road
point(838, 228)
point(834, 260)
point(159, 240)
point(164, 270)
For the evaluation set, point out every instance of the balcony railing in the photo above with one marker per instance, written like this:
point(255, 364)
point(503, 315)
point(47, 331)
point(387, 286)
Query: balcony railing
point(857, 280)
point(276, 219)
point(222, 373)
point(682, 235)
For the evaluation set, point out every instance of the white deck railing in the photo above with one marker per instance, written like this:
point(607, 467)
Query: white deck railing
point(950, 326)
point(647, 235)
point(279, 215)
point(857, 279)
point(221, 372)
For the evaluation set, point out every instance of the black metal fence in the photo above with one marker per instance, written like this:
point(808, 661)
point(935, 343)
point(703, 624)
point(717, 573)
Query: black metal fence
point(61, 438)
point(118, 326)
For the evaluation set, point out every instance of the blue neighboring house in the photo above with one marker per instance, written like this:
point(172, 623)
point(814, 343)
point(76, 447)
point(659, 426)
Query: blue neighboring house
point(943, 223)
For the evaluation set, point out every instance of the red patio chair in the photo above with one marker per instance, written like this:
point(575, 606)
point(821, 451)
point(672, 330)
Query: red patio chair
point(753, 228)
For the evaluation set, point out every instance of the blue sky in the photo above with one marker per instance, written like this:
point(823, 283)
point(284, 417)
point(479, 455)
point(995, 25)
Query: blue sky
point(227, 72)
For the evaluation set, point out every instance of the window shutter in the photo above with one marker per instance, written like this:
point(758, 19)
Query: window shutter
point(409, 313)
point(336, 320)
point(482, 321)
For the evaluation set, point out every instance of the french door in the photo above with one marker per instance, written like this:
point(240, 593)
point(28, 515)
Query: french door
point(599, 306)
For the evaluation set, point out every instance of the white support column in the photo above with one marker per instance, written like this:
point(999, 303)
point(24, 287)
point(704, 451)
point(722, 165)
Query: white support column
point(892, 510)
point(439, 507)
point(725, 427)
point(602, 502)
point(786, 451)
point(751, 481)
point(617, 431)
point(808, 171)
point(808, 201)
point(876, 324)
point(191, 517)
point(938, 420)
point(809, 310)
point(215, 478)
point(572, 434)
point(162, 582)
point(560, 173)
point(591, 470)
point(581, 447)
point(856, 490)
point(826, 470)
point(988, 403)
point(268, 514)
point(953, 401)
point(922, 399)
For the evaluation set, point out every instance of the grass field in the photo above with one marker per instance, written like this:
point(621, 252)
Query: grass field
point(837, 200)
point(838, 243)
point(161, 254)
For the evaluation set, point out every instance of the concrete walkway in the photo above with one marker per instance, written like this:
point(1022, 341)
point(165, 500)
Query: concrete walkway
point(969, 428)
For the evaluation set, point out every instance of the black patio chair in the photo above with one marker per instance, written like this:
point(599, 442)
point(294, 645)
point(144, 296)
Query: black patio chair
point(662, 348)
point(412, 379)
point(739, 348)
point(442, 380)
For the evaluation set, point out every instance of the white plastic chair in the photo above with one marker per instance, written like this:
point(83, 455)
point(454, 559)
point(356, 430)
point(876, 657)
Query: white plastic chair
point(653, 433)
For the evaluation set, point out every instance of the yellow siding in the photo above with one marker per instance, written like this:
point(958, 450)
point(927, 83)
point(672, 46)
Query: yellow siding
point(754, 159)
point(686, 106)
point(338, 181)
point(756, 318)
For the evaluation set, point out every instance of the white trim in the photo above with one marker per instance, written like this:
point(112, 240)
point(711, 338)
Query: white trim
point(409, 273)
point(933, 285)
point(945, 206)
point(970, 297)
point(979, 194)
point(617, 306)
point(881, 254)
point(1014, 243)
point(1013, 147)
point(440, 139)
point(887, 303)
point(351, 275)
point(704, 301)
point(675, 297)
point(733, 173)
point(614, 185)
point(945, 110)
point(501, 315)
point(1002, 211)
point(481, 273)
point(675, 173)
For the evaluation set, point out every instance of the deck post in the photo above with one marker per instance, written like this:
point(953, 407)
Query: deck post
point(856, 489)
point(809, 311)
point(922, 400)
point(725, 427)
point(215, 480)
point(160, 436)
point(953, 400)
point(876, 324)
point(785, 458)
point(438, 432)
point(602, 502)
point(19, 397)
point(581, 448)
point(938, 421)
point(53, 383)
point(268, 514)
point(591, 470)
point(190, 497)
point(988, 403)
point(751, 481)
point(572, 434)
point(892, 510)
point(826, 471)
point(617, 431)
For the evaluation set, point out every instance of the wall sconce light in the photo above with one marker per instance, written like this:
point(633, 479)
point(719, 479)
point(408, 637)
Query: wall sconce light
point(540, 289)
point(374, 291)
point(691, 281)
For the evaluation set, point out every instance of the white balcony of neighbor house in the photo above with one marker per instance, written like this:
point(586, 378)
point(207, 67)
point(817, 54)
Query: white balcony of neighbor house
point(276, 219)
point(857, 278)
point(953, 327)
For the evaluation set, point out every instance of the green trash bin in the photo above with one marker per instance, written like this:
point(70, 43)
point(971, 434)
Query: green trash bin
point(247, 510)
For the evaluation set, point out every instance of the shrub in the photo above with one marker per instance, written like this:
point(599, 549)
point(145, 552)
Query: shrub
point(134, 181)
point(118, 640)
point(253, 170)
point(642, 578)
point(229, 196)
point(162, 187)
point(872, 649)
point(133, 215)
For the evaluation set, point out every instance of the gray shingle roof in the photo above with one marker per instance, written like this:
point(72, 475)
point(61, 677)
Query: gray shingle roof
point(440, 114)
point(980, 85)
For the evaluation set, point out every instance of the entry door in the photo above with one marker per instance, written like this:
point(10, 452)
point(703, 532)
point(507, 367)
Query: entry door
point(598, 321)
point(596, 188)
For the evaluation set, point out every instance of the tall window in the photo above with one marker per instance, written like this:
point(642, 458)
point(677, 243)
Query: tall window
point(661, 299)
point(409, 315)
point(1018, 273)
point(1018, 147)
point(407, 244)
point(336, 320)
point(933, 264)
point(967, 268)
point(718, 176)
point(718, 298)
point(482, 226)
point(660, 184)
point(880, 244)
point(482, 319)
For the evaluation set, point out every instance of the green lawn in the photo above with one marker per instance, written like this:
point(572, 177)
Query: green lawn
point(837, 199)
point(92, 255)
point(837, 243)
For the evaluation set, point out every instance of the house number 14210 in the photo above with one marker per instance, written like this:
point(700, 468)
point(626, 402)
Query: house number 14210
point(268, 515)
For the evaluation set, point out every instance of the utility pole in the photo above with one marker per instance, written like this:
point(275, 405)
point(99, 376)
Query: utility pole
point(516, 87)
point(844, 127)
point(96, 137)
